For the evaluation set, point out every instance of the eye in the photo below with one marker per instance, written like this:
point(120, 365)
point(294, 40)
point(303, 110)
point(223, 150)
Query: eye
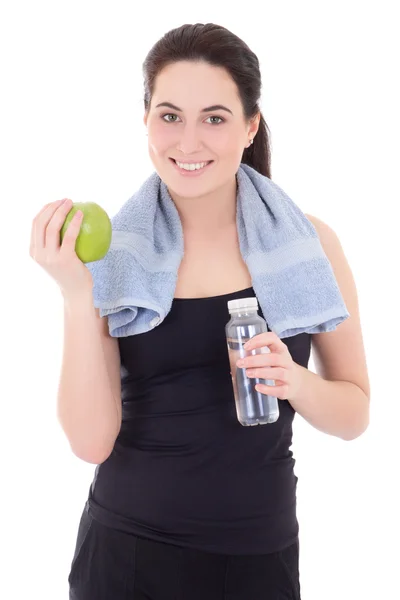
point(169, 115)
point(221, 120)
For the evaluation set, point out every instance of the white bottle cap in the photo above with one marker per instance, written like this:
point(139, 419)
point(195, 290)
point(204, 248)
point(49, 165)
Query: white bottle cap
point(242, 303)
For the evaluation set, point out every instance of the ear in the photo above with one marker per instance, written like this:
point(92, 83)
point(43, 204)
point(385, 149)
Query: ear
point(254, 125)
point(145, 119)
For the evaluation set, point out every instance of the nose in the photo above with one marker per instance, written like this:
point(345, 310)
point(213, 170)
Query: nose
point(189, 142)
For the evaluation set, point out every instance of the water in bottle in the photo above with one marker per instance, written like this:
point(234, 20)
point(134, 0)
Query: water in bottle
point(252, 407)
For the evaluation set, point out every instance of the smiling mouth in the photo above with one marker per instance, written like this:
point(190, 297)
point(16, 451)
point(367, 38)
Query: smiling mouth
point(191, 167)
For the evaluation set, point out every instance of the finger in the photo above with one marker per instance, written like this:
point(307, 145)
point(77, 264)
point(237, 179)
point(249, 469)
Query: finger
point(37, 229)
point(55, 203)
point(263, 360)
point(276, 391)
point(45, 208)
point(55, 224)
point(72, 232)
point(41, 221)
point(269, 339)
point(278, 375)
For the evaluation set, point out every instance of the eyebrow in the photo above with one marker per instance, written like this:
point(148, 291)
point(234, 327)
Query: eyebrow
point(207, 109)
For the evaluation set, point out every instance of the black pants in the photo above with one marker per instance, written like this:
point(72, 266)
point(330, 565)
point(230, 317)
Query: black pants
point(112, 565)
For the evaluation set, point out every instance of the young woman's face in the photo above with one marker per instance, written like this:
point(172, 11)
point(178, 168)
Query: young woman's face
point(204, 122)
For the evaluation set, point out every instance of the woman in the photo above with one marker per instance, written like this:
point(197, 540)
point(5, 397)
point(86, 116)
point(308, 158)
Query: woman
point(186, 503)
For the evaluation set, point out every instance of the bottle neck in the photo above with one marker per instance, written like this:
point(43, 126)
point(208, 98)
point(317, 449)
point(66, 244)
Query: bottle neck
point(243, 312)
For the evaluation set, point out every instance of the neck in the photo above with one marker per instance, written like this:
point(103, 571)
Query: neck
point(213, 211)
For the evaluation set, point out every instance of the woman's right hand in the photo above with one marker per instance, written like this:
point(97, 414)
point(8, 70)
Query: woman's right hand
point(60, 261)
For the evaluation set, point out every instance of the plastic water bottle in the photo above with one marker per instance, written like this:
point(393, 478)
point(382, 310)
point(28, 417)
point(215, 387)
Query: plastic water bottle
point(252, 407)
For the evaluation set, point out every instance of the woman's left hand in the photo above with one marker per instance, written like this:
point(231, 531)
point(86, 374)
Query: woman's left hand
point(277, 365)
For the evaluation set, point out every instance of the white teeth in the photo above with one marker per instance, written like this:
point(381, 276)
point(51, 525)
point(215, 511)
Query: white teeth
point(191, 167)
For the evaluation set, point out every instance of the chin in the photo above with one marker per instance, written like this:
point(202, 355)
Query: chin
point(187, 191)
point(187, 188)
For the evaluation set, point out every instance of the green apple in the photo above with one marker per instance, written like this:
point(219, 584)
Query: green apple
point(94, 238)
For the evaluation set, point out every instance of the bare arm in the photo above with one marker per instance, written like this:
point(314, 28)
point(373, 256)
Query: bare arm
point(89, 393)
point(337, 399)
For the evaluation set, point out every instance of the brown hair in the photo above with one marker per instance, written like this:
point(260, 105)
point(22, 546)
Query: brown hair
point(217, 46)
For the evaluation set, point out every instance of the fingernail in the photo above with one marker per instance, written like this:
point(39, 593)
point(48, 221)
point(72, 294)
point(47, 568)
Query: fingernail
point(240, 362)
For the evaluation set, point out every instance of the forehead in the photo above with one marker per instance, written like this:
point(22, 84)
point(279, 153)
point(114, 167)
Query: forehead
point(190, 84)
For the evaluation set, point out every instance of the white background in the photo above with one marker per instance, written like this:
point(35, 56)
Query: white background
point(71, 126)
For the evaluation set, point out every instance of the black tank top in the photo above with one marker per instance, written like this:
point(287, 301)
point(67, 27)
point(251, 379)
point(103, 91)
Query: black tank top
point(183, 469)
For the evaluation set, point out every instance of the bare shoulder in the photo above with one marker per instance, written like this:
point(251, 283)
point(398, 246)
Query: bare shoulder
point(333, 249)
point(326, 234)
point(340, 354)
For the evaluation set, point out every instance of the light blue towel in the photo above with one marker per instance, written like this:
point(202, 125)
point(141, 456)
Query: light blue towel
point(134, 284)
